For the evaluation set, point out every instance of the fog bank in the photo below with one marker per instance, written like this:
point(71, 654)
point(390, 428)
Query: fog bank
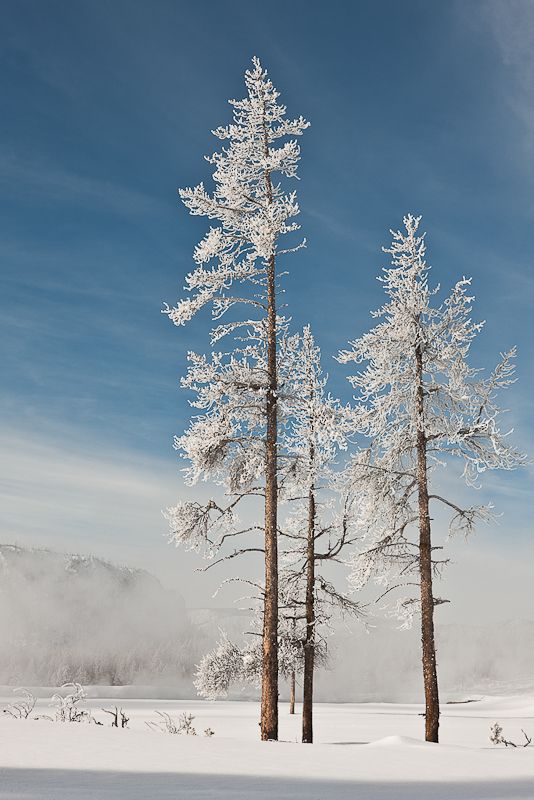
point(80, 618)
point(70, 617)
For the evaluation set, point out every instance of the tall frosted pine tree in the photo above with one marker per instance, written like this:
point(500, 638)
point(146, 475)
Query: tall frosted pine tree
point(421, 405)
point(236, 441)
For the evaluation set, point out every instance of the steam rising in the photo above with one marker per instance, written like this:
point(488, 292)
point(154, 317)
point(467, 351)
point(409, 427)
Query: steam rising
point(75, 618)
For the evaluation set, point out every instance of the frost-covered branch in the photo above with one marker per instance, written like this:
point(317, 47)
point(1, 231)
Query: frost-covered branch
point(419, 404)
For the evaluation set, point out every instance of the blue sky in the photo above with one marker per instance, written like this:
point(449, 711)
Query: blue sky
point(107, 108)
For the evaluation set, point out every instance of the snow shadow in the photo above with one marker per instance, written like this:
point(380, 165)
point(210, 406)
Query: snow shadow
point(51, 784)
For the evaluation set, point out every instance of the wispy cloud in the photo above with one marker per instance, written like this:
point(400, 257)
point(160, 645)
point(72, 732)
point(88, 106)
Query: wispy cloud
point(333, 225)
point(512, 24)
point(70, 485)
point(63, 490)
point(33, 179)
point(509, 24)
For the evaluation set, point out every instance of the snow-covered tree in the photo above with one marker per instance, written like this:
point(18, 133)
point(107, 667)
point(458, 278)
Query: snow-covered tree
point(316, 529)
point(229, 663)
point(420, 405)
point(219, 669)
point(235, 442)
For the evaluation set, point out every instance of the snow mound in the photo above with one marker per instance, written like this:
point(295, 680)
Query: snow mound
point(397, 741)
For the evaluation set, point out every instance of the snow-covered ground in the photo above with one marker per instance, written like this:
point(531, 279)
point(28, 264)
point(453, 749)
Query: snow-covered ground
point(362, 752)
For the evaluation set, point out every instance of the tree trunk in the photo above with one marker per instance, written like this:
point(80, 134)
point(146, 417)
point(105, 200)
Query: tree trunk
point(269, 689)
point(309, 643)
point(269, 685)
point(292, 693)
point(430, 676)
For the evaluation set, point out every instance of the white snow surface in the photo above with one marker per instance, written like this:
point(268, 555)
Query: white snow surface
point(369, 751)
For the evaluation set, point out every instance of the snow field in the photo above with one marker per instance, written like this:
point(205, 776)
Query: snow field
point(368, 751)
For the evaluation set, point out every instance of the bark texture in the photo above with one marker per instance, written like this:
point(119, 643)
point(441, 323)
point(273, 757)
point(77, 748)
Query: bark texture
point(292, 687)
point(309, 643)
point(269, 689)
point(269, 686)
point(430, 676)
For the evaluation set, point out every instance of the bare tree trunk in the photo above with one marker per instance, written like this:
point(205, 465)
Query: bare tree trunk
point(309, 643)
point(430, 676)
point(269, 693)
point(292, 693)
point(269, 686)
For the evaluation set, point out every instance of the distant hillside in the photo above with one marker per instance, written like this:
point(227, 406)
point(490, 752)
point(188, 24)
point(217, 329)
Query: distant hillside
point(36, 564)
point(71, 617)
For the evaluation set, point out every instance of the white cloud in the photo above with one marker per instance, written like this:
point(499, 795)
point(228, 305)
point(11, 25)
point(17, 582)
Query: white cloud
point(75, 494)
point(512, 25)
point(67, 493)
point(35, 179)
point(509, 24)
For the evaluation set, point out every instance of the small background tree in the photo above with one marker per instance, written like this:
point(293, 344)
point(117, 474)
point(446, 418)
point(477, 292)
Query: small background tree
point(315, 531)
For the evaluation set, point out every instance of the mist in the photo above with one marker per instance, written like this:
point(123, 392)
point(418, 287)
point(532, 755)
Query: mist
point(80, 618)
point(383, 664)
point(66, 617)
